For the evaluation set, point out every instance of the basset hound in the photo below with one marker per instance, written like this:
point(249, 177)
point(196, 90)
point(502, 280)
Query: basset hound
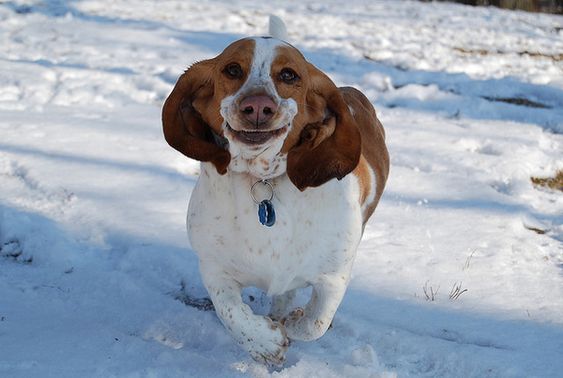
point(292, 167)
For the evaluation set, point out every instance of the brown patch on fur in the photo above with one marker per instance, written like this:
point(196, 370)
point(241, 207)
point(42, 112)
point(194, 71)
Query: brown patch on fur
point(374, 150)
point(364, 178)
point(328, 147)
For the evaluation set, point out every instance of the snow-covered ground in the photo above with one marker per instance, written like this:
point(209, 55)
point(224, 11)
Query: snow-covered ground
point(93, 249)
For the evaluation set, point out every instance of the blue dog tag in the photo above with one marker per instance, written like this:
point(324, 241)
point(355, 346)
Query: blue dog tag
point(266, 213)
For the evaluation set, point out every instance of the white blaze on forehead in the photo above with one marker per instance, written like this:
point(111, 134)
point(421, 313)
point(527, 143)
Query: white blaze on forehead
point(265, 51)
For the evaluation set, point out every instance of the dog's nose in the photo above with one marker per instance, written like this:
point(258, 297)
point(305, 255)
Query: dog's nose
point(258, 109)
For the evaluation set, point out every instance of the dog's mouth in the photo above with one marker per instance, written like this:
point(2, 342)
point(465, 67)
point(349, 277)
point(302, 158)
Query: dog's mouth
point(256, 136)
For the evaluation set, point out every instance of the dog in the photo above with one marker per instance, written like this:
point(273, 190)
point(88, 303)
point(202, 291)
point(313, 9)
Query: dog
point(292, 167)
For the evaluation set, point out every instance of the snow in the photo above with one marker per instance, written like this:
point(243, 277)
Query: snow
point(94, 251)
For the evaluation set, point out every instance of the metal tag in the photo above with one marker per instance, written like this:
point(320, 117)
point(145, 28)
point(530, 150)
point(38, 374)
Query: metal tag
point(266, 213)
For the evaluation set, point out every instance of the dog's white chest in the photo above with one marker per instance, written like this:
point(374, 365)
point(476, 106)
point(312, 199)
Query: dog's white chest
point(315, 230)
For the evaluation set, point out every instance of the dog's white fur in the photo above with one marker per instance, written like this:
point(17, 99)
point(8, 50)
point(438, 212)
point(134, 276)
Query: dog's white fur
point(313, 243)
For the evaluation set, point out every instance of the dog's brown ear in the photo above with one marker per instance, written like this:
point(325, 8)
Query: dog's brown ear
point(184, 128)
point(327, 149)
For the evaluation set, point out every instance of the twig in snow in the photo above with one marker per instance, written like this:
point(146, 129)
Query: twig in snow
point(468, 261)
point(429, 292)
point(182, 295)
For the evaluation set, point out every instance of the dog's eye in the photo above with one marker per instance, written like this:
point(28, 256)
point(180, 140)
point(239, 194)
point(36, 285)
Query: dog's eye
point(288, 76)
point(233, 70)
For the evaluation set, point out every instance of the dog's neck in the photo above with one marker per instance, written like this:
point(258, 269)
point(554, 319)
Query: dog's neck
point(261, 164)
point(260, 167)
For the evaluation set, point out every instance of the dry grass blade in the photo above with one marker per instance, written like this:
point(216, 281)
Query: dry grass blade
point(468, 261)
point(457, 291)
point(429, 292)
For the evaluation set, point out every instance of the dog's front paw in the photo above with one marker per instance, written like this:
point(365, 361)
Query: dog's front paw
point(269, 345)
point(300, 327)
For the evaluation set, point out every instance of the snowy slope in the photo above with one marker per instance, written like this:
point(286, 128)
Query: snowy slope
point(93, 250)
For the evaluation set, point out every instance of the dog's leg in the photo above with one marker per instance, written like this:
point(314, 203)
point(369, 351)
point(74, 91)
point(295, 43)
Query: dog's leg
point(264, 339)
point(313, 321)
point(280, 304)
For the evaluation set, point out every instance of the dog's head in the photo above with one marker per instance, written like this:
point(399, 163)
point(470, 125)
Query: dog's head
point(261, 107)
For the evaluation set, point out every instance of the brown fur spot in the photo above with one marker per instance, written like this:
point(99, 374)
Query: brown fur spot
point(374, 150)
point(364, 178)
